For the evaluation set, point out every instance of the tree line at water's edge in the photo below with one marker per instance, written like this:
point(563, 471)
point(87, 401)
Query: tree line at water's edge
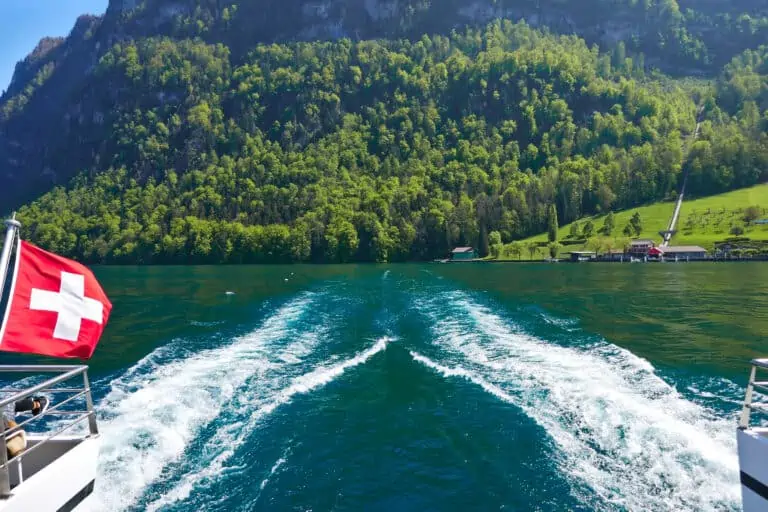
point(383, 151)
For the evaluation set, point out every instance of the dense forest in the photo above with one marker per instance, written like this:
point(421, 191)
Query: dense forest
point(188, 150)
point(678, 36)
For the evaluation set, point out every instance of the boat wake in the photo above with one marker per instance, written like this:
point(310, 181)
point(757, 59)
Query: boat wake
point(177, 423)
point(153, 411)
point(263, 403)
point(618, 427)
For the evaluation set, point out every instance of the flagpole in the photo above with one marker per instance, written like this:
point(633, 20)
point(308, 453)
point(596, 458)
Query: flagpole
point(12, 226)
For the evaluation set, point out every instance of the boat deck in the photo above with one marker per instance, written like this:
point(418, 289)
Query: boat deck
point(54, 468)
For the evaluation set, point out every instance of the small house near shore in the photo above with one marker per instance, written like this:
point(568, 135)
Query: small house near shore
point(680, 252)
point(463, 253)
point(639, 248)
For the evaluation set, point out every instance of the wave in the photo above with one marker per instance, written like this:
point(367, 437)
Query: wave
point(154, 410)
point(568, 324)
point(200, 323)
point(447, 371)
point(282, 460)
point(236, 434)
point(619, 428)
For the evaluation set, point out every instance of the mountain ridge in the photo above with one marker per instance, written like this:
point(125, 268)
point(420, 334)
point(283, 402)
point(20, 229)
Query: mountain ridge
point(50, 85)
point(170, 113)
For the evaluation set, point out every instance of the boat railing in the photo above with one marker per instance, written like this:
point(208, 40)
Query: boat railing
point(75, 408)
point(755, 386)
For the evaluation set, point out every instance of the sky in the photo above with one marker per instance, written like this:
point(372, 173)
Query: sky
point(24, 22)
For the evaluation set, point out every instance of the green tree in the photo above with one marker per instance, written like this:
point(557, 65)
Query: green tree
point(624, 244)
point(516, 250)
point(554, 249)
point(341, 240)
point(589, 229)
point(533, 249)
point(752, 213)
point(574, 230)
point(496, 247)
point(552, 223)
point(636, 224)
point(608, 224)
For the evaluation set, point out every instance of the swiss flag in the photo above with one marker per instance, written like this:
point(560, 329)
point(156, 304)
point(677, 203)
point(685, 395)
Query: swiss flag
point(55, 307)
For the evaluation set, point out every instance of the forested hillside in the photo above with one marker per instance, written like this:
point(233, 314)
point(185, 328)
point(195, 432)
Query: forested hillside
point(733, 146)
point(190, 142)
point(42, 111)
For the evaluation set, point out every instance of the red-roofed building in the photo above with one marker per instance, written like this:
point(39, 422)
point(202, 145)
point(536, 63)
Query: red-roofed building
point(639, 248)
point(682, 252)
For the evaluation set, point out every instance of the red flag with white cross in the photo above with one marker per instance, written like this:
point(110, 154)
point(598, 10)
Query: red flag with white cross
point(56, 307)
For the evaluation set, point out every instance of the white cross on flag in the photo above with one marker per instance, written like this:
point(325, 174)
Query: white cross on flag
point(56, 307)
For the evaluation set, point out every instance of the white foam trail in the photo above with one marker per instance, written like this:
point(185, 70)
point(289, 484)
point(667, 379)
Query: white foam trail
point(154, 410)
point(323, 375)
point(198, 323)
point(464, 374)
point(565, 323)
point(620, 428)
point(274, 469)
point(236, 434)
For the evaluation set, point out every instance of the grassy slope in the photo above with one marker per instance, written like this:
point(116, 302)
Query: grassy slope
point(713, 217)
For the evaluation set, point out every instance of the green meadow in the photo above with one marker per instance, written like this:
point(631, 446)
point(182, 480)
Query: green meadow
point(703, 221)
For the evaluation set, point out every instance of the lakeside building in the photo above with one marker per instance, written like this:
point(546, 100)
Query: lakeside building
point(641, 247)
point(680, 252)
point(617, 255)
point(463, 253)
point(579, 256)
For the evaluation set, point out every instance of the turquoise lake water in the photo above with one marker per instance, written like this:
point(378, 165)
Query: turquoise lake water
point(426, 387)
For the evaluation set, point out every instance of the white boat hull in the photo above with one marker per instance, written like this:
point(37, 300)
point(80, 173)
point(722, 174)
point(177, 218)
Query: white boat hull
point(62, 485)
point(753, 454)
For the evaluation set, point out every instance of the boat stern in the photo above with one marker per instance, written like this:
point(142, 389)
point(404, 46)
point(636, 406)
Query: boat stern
point(752, 440)
point(753, 454)
point(63, 484)
point(54, 467)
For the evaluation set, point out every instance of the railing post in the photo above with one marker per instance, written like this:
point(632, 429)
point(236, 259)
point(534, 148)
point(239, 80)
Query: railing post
point(94, 429)
point(5, 480)
point(744, 420)
point(12, 226)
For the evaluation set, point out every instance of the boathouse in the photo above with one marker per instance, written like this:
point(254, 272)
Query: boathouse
point(579, 256)
point(680, 252)
point(616, 255)
point(463, 253)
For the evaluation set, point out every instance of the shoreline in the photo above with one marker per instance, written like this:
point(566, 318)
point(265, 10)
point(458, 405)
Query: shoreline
point(418, 262)
point(697, 260)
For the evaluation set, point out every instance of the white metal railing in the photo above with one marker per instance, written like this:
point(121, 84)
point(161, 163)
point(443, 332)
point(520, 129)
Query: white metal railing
point(755, 386)
point(77, 394)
